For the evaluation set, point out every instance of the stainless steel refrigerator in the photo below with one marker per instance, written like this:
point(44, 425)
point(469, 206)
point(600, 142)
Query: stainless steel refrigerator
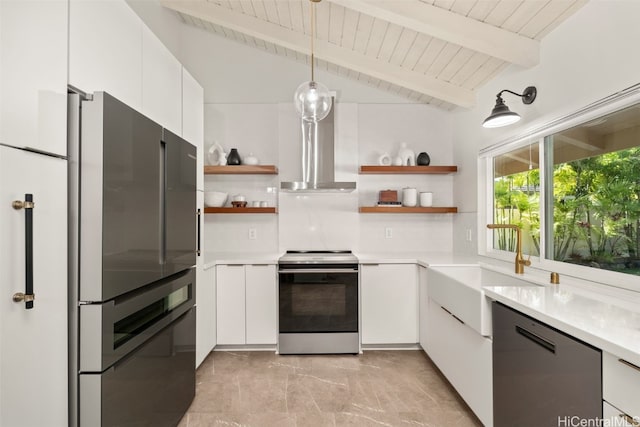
point(132, 192)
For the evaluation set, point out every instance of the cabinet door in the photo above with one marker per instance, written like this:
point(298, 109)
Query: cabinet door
point(261, 304)
point(193, 119)
point(423, 306)
point(161, 83)
point(389, 304)
point(230, 305)
point(33, 343)
point(105, 49)
point(206, 312)
point(33, 64)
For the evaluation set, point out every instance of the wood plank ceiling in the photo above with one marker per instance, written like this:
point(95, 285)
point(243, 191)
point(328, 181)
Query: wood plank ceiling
point(437, 52)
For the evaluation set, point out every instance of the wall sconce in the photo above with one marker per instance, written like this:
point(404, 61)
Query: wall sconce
point(501, 115)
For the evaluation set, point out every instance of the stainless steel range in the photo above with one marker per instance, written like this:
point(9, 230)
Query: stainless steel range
point(318, 302)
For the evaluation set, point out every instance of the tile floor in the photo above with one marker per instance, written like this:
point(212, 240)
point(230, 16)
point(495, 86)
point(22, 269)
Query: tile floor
point(377, 388)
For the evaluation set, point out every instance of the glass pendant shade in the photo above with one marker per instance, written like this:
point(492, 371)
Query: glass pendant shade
point(500, 116)
point(312, 101)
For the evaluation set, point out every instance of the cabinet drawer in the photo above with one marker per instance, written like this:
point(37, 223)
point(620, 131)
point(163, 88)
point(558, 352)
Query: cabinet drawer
point(616, 417)
point(621, 384)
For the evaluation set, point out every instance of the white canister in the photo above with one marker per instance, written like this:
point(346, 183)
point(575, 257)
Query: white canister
point(426, 199)
point(409, 197)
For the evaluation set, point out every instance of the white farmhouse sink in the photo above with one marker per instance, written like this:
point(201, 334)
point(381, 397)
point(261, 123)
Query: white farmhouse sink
point(458, 289)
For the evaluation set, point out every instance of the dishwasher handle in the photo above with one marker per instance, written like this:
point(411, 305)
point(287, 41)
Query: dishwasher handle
point(542, 342)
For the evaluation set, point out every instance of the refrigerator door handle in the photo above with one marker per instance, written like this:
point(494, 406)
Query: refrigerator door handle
point(198, 215)
point(28, 296)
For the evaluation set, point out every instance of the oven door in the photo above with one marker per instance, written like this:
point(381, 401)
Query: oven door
point(110, 331)
point(318, 298)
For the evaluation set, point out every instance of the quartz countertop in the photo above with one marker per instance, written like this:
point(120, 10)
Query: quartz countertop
point(601, 321)
point(422, 258)
point(215, 258)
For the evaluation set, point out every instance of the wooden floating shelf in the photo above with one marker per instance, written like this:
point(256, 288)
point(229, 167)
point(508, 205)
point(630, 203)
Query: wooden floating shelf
point(241, 170)
point(407, 169)
point(407, 210)
point(247, 210)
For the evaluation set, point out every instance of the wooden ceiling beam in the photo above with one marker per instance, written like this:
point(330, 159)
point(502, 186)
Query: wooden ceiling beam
point(451, 27)
point(329, 52)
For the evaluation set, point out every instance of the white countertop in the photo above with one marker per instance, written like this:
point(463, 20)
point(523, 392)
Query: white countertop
point(422, 258)
point(602, 322)
point(211, 259)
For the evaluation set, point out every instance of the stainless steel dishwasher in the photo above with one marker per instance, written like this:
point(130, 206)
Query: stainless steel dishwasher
point(541, 376)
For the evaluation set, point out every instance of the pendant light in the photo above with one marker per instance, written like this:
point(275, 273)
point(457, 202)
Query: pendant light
point(312, 99)
point(501, 115)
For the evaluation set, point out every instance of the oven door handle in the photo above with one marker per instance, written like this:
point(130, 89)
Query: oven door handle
point(319, 270)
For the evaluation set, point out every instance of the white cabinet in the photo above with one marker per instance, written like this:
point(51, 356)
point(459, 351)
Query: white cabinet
point(464, 357)
point(193, 119)
point(615, 417)
point(206, 313)
point(389, 296)
point(33, 67)
point(105, 49)
point(261, 295)
point(621, 384)
point(161, 83)
point(33, 343)
point(246, 304)
point(423, 306)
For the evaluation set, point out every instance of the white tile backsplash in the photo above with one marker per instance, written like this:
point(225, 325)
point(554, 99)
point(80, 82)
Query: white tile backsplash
point(329, 220)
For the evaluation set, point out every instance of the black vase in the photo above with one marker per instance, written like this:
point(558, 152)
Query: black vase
point(423, 159)
point(233, 159)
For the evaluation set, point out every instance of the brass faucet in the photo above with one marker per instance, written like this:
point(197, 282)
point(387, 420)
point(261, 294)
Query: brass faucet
point(520, 261)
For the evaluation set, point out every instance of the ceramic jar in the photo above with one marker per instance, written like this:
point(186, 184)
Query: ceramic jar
point(409, 197)
point(423, 159)
point(426, 199)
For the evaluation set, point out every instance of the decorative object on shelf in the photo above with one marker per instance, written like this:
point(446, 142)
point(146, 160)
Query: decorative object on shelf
point(236, 204)
point(215, 199)
point(426, 199)
point(255, 204)
point(239, 198)
point(409, 197)
point(264, 204)
point(397, 161)
point(501, 115)
point(423, 159)
point(216, 155)
point(407, 156)
point(384, 159)
point(233, 159)
point(250, 160)
point(312, 99)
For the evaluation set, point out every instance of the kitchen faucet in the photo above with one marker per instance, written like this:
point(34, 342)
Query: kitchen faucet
point(519, 261)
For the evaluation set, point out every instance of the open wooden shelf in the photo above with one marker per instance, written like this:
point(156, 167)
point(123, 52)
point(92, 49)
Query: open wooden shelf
point(405, 209)
point(247, 210)
point(373, 169)
point(241, 170)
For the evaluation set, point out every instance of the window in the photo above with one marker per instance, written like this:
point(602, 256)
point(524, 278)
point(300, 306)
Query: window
point(575, 193)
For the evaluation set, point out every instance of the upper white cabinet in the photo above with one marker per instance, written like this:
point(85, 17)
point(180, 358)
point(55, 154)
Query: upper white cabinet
point(161, 83)
point(193, 119)
point(33, 67)
point(105, 49)
point(389, 303)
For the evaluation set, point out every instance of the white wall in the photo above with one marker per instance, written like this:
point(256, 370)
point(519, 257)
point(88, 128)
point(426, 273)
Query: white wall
point(592, 55)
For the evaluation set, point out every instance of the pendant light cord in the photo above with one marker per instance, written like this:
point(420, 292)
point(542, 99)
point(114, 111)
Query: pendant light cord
point(313, 34)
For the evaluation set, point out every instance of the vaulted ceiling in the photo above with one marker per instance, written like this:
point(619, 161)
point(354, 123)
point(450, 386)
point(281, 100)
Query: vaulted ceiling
point(437, 52)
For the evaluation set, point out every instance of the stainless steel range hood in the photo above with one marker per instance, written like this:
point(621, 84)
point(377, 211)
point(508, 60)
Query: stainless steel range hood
point(318, 160)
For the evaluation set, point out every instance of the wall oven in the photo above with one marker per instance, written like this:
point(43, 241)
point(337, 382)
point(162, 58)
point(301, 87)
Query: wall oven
point(318, 303)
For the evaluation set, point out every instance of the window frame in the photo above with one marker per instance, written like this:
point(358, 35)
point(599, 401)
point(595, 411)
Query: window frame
point(605, 106)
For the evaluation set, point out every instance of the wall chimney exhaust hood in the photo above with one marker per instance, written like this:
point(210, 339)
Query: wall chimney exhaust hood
point(318, 160)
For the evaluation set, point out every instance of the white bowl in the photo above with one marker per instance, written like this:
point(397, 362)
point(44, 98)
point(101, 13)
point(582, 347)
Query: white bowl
point(215, 199)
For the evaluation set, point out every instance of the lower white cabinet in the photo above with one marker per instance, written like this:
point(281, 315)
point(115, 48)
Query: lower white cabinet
point(464, 357)
point(389, 301)
point(246, 304)
point(423, 306)
point(205, 313)
point(621, 385)
point(615, 417)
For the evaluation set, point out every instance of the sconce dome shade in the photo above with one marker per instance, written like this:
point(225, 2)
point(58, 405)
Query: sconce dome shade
point(500, 116)
point(312, 101)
